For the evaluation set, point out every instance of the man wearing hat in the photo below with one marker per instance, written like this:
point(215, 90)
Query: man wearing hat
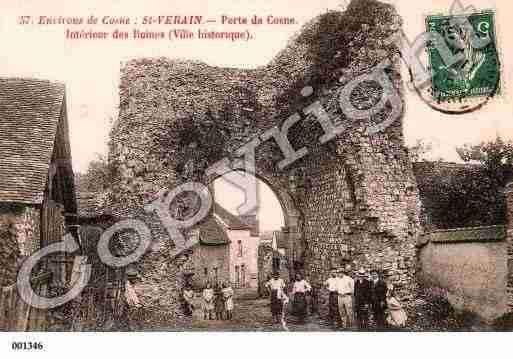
point(362, 298)
point(378, 298)
point(345, 288)
point(332, 285)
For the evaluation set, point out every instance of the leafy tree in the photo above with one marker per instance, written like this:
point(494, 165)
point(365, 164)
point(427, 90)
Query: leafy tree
point(467, 195)
point(495, 156)
point(97, 177)
point(482, 188)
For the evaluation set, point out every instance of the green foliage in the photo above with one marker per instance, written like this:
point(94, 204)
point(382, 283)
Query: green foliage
point(469, 195)
point(469, 198)
point(97, 178)
point(336, 31)
point(196, 142)
point(495, 156)
point(504, 323)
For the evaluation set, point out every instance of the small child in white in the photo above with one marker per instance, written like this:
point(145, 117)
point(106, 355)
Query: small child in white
point(285, 301)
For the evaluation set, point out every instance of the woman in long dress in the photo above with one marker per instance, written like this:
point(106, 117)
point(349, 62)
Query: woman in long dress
point(228, 300)
point(299, 290)
point(396, 315)
point(219, 302)
point(208, 302)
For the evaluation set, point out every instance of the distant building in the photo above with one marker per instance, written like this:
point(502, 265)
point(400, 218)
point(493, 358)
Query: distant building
point(243, 234)
point(211, 256)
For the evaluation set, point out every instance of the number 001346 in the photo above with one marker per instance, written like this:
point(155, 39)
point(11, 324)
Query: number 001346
point(27, 346)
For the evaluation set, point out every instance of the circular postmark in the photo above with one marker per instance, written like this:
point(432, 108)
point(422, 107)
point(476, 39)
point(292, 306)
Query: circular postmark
point(462, 62)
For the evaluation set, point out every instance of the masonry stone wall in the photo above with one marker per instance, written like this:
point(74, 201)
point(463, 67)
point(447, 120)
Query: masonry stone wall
point(161, 278)
point(352, 200)
point(472, 269)
point(509, 243)
point(19, 232)
point(362, 208)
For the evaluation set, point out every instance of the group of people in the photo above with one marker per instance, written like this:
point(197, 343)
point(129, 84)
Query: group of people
point(216, 302)
point(362, 298)
point(352, 302)
point(279, 299)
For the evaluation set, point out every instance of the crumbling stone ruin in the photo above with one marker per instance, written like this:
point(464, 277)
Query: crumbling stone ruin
point(351, 200)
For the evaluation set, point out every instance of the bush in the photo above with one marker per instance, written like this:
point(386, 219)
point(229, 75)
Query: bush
point(504, 323)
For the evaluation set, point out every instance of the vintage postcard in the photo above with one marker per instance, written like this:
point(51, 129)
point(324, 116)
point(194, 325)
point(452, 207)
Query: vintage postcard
point(343, 167)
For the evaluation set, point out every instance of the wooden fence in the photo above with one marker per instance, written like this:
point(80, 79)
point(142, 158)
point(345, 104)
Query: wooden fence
point(16, 315)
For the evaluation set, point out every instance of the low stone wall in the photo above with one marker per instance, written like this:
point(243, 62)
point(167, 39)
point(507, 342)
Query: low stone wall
point(471, 264)
point(508, 193)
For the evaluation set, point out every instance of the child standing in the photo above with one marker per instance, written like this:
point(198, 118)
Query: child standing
point(219, 302)
point(228, 297)
point(208, 302)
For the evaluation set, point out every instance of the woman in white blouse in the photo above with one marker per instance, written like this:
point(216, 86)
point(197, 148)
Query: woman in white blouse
point(300, 289)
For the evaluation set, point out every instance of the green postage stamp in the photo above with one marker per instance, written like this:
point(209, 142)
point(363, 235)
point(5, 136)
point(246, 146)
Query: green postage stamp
point(463, 56)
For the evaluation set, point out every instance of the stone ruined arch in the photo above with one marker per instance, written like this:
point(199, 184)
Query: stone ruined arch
point(356, 200)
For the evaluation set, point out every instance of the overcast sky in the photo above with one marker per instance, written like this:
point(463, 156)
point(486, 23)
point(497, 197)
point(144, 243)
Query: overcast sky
point(90, 69)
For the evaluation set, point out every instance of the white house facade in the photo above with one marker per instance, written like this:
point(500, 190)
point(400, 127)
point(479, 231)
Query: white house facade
point(243, 247)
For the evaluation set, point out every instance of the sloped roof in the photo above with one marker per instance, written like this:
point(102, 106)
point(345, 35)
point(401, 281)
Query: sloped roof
point(232, 221)
point(212, 233)
point(30, 111)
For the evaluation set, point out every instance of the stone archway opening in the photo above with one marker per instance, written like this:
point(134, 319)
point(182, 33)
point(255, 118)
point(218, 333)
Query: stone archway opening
point(261, 221)
point(229, 193)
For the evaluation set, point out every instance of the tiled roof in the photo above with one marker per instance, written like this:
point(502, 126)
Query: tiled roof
point(29, 115)
point(212, 233)
point(231, 220)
